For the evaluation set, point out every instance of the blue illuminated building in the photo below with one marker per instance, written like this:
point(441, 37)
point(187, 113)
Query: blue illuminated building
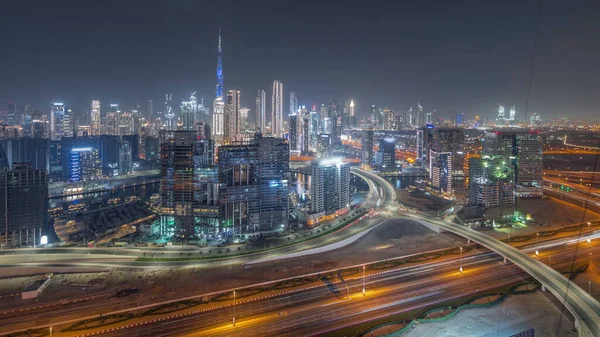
point(219, 91)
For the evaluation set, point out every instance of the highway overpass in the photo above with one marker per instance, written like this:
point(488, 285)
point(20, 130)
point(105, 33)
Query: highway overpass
point(582, 306)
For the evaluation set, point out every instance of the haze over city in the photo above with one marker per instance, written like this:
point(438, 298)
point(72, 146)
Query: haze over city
point(450, 57)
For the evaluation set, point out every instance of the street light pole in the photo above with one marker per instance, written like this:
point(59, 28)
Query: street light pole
point(234, 308)
point(50, 331)
point(364, 290)
point(461, 269)
point(537, 243)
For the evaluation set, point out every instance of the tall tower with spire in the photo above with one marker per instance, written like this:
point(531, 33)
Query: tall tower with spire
point(219, 104)
point(219, 91)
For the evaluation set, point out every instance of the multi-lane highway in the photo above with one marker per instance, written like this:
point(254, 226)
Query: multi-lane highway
point(325, 306)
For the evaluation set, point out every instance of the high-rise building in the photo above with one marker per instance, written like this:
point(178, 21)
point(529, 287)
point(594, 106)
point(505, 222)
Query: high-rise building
point(440, 170)
point(512, 113)
point(254, 194)
point(261, 112)
point(85, 164)
point(202, 114)
point(501, 116)
point(386, 156)
point(293, 102)
point(313, 130)
point(219, 90)
point(11, 116)
point(27, 150)
point(293, 134)
point(23, 206)
point(125, 157)
point(189, 186)
point(95, 117)
point(373, 116)
point(218, 119)
point(189, 110)
point(56, 121)
point(523, 150)
point(277, 109)
point(126, 124)
point(329, 189)
point(352, 117)
point(68, 123)
point(232, 120)
point(367, 148)
point(170, 120)
point(491, 182)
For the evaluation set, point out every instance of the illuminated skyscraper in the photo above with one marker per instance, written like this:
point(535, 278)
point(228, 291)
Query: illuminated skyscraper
point(95, 117)
point(293, 102)
point(277, 109)
point(219, 91)
point(219, 104)
point(56, 121)
point(68, 123)
point(352, 116)
point(261, 112)
point(170, 122)
point(232, 119)
point(330, 187)
point(202, 114)
point(189, 109)
point(149, 110)
point(500, 112)
point(513, 112)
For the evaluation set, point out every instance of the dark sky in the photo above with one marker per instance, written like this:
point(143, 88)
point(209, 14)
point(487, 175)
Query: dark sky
point(453, 56)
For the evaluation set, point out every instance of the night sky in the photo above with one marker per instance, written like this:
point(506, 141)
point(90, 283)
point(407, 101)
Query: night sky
point(452, 56)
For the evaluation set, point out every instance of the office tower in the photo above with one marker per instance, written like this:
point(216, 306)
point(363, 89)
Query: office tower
point(56, 121)
point(125, 157)
point(512, 113)
point(419, 145)
point(39, 124)
point(352, 116)
point(330, 190)
point(491, 182)
point(304, 149)
point(386, 156)
point(440, 170)
point(261, 113)
point(501, 116)
point(169, 114)
point(189, 109)
point(11, 116)
point(85, 164)
point(68, 123)
point(243, 115)
point(202, 114)
point(277, 109)
point(447, 140)
point(324, 148)
point(95, 117)
point(254, 194)
point(293, 136)
point(23, 205)
point(313, 129)
point(523, 150)
point(185, 172)
point(389, 122)
point(126, 125)
point(293, 102)
point(232, 120)
point(32, 150)
point(367, 147)
point(218, 119)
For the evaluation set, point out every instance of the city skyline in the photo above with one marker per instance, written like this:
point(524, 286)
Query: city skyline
point(493, 63)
